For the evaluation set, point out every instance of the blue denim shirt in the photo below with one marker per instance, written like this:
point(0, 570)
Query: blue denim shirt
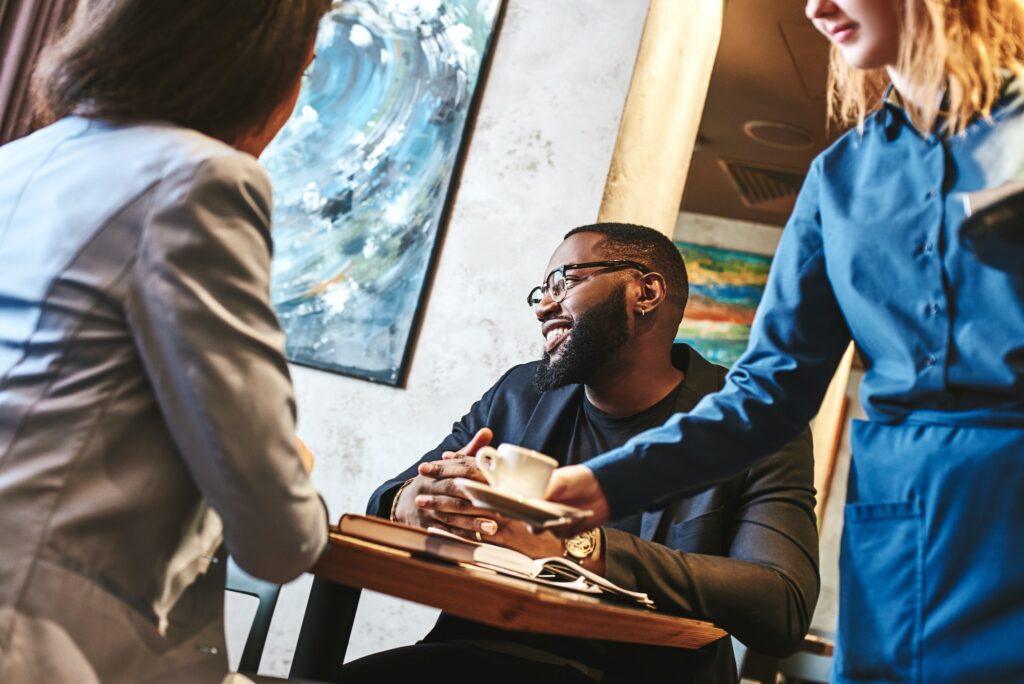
point(871, 253)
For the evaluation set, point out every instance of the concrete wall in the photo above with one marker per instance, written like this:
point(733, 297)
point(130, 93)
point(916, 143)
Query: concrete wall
point(713, 231)
point(536, 167)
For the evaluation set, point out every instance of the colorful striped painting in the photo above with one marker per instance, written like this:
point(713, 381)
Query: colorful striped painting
point(725, 289)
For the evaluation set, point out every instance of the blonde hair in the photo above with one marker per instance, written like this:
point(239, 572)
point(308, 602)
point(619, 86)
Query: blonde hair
point(962, 48)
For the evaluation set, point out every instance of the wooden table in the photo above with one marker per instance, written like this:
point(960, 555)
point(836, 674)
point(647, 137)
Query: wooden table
point(351, 564)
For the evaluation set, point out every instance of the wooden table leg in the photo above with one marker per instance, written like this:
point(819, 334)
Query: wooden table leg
point(326, 628)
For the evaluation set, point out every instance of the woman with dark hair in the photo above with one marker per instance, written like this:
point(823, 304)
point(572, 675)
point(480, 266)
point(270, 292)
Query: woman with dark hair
point(146, 410)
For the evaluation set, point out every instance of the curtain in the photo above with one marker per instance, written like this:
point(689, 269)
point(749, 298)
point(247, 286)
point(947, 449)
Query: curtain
point(25, 26)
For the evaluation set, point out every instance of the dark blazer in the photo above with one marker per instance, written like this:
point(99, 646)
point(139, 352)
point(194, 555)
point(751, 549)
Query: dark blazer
point(743, 554)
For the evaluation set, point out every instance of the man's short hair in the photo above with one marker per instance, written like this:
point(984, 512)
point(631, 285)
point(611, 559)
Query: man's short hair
point(648, 247)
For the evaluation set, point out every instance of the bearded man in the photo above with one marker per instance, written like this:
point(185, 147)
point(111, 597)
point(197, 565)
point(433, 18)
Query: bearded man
point(742, 554)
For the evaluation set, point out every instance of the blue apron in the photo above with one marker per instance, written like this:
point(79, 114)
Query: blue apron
point(932, 557)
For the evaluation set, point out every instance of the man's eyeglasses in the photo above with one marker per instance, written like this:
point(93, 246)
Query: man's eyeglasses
point(557, 284)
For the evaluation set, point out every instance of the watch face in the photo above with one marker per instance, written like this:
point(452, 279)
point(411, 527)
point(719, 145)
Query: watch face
point(582, 545)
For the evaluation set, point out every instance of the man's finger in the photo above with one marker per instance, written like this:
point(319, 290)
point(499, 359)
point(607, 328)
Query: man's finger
point(465, 522)
point(463, 467)
point(458, 532)
point(453, 487)
point(482, 438)
point(448, 504)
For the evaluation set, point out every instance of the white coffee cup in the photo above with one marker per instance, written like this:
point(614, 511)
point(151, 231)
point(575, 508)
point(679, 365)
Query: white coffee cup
point(516, 470)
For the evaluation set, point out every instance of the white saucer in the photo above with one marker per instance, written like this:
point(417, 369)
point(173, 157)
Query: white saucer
point(536, 512)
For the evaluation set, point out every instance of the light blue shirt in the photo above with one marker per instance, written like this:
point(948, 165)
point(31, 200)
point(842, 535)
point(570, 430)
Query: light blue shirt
point(871, 253)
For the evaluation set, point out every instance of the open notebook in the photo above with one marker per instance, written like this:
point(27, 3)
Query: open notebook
point(558, 572)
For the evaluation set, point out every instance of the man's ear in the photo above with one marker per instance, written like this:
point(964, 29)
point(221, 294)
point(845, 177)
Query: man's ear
point(652, 292)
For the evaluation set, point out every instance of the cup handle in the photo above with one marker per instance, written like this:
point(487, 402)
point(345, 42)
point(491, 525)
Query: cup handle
point(487, 460)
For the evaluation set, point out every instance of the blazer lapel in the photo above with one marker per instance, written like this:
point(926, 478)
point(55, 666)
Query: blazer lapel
point(649, 524)
point(548, 415)
point(701, 378)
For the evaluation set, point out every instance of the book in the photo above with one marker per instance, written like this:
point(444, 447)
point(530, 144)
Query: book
point(556, 571)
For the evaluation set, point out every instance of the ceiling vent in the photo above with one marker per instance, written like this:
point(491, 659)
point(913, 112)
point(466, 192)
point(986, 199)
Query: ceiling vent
point(764, 187)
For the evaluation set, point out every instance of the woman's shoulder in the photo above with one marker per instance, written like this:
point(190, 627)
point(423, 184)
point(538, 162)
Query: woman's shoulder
point(158, 153)
point(184, 152)
point(187, 166)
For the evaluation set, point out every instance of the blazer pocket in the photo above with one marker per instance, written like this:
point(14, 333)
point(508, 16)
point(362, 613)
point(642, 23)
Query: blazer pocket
point(701, 534)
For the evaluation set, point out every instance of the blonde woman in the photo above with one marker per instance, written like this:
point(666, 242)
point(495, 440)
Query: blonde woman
point(932, 568)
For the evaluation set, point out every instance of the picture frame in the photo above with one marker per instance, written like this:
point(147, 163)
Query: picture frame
point(365, 174)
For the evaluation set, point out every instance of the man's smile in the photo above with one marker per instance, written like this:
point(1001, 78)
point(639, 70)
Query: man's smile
point(555, 333)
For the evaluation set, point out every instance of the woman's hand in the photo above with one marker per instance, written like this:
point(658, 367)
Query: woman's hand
point(305, 455)
point(576, 485)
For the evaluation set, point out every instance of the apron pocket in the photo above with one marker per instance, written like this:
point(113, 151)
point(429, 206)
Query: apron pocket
point(880, 592)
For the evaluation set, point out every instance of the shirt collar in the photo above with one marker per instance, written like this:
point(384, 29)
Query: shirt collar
point(894, 115)
point(894, 112)
point(1011, 97)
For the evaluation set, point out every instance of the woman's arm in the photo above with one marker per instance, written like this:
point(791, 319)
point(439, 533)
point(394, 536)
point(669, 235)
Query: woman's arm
point(765, 589)
point(799, 335)
point(199, 309)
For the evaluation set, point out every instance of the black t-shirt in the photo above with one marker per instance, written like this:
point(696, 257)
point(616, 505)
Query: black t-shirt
point(590, 432)
point(582, 435)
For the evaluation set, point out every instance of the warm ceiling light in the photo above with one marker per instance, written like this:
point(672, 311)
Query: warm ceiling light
point(782, 136)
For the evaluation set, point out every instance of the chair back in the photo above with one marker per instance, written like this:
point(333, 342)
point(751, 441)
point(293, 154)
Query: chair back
point(266, 593)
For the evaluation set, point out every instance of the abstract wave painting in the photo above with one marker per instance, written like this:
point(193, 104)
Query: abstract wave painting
point(362, 176)
point(725, 288)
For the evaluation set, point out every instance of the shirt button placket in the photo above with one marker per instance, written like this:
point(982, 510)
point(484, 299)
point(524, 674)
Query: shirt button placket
point(934, 327)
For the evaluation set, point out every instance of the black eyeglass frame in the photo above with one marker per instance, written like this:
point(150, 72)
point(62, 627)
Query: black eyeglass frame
point(608, 265)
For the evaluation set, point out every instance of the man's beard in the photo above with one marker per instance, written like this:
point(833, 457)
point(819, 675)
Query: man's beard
point(595, 336)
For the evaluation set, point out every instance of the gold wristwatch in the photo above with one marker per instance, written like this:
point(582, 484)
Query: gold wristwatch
point(583, 545)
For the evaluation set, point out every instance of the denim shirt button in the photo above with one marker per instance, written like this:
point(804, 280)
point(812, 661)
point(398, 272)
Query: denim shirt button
point(930, 361)
point(931, 194)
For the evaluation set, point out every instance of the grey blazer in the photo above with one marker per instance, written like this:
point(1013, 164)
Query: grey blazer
point(141, 372)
